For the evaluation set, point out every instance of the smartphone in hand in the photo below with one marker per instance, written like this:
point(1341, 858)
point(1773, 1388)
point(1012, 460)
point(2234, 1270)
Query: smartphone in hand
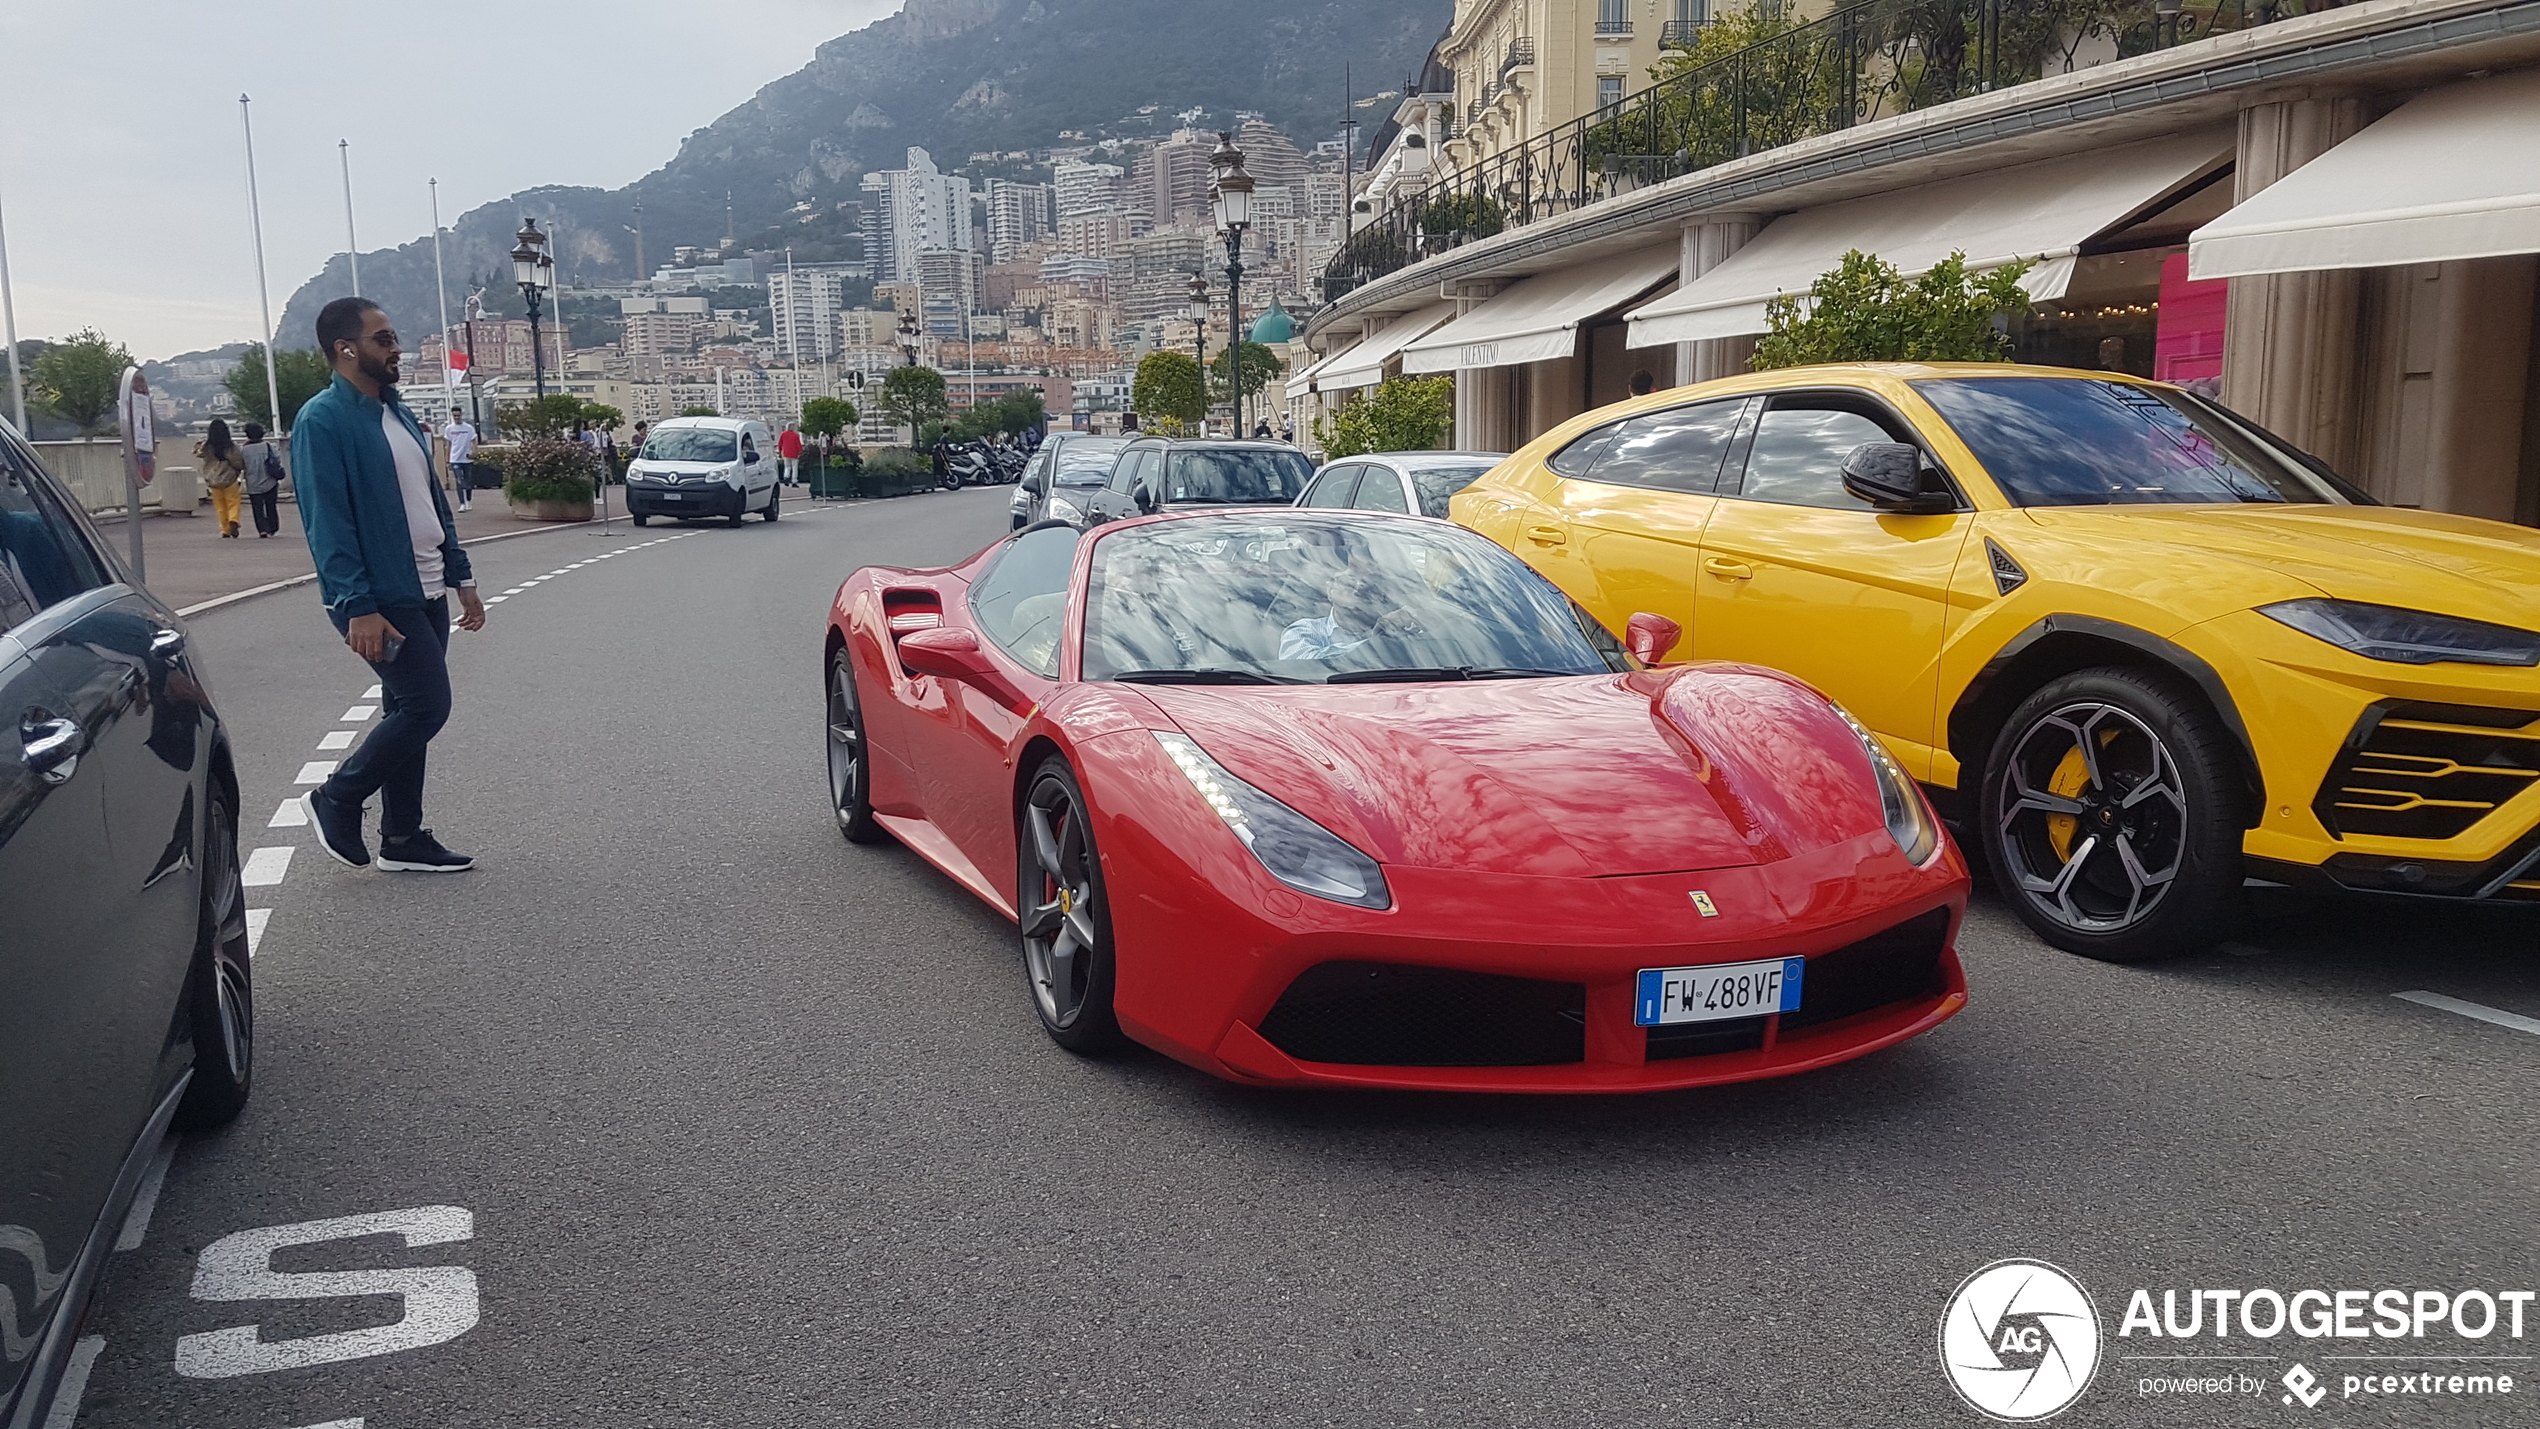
point(389, 645)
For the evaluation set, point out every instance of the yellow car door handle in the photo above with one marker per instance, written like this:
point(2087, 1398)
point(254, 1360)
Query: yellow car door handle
point(1729, 570)
point(1547, 535)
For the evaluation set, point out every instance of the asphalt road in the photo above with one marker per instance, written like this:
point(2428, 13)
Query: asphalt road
point(747, 1126)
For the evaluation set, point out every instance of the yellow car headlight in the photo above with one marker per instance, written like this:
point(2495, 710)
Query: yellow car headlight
point(2406, 637)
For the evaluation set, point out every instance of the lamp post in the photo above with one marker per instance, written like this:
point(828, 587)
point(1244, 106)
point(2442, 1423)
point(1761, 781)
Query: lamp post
point(535, 272)
point(908, 336)
point(1233, 196)
point(1198, 314)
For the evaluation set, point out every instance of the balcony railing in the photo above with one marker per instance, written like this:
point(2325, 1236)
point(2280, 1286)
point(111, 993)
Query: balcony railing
point(1521, 53)
point(1861, 62)
point(1613, 29)
point(1679, 32)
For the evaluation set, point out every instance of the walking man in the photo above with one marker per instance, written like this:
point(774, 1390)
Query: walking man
point(789, 456)
point(462, 439)
point(264, 480)
point(387, 561)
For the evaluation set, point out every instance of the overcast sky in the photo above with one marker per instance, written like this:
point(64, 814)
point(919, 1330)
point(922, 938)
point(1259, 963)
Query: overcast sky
point(120, 159)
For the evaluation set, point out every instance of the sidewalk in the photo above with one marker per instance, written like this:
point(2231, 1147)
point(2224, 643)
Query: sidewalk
point(189, 563)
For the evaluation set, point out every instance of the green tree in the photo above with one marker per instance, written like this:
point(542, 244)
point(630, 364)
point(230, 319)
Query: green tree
point(1260, 365)
point(1403, 414)
point(554, 415)
point(77, 379)
point(1866, 311)
point(828, 416)
point(1167, 385)
point(301, 374)
point(914, 397)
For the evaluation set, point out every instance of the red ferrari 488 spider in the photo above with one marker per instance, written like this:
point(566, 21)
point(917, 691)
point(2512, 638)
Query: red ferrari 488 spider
point(1327, 798)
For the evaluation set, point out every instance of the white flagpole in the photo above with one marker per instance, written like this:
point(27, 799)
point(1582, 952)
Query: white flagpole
point(264, 301)
point(9, 319)
point(441, 291)
point(352, 248)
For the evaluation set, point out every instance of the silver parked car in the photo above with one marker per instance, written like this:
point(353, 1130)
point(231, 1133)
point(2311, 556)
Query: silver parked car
point(1415, 483)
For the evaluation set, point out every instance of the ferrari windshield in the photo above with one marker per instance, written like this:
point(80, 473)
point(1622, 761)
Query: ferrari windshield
point(1311, 598)
point(2078, 441)
point(1223, 476)
point(690, 444)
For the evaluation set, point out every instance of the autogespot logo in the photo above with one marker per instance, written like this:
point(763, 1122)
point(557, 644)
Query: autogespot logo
point(2019, 1340)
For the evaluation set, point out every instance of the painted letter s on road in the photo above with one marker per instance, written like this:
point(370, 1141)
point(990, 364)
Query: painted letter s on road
point(440, 1300)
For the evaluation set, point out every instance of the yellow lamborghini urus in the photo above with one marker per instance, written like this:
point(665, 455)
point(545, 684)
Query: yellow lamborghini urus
point(2141, 649)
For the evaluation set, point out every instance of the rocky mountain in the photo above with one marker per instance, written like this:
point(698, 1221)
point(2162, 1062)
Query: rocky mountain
point(953, 76)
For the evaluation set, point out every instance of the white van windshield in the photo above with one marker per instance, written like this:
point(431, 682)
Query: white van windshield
point(690, 444)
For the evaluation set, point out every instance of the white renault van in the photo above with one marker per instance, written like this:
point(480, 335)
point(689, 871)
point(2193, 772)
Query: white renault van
point(703, 466)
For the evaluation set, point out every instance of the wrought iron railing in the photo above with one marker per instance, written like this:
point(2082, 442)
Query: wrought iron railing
point(1521, 52)
point(1800, 80)
point(1610, 28)
point(1678, 32)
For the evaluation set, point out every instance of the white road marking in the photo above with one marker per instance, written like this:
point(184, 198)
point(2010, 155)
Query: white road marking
point(371, 694)
point(515, 590)
point(336, 1424)
point(357, 714)
point(289, 816)
point(136, 1222)
point(336, 739)
point(266, 866)
point(314, 772)
point(256, 920)
point(2481, 1011)
point(65, 1410)
point(496, 599)
point(439, 1301)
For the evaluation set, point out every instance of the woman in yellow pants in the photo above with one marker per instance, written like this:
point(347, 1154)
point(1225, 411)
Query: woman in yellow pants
point(223, 472)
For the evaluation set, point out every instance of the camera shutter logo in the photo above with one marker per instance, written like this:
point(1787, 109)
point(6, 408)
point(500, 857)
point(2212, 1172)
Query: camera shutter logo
point(2020, 1340)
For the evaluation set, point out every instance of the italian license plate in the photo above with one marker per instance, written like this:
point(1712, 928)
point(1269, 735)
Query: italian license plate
point(1718, 992)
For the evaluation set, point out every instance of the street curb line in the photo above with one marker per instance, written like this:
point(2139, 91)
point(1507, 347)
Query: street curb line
point(236, 596)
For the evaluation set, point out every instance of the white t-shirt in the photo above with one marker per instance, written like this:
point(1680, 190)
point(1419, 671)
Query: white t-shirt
point(462, 441)
point(423, 521)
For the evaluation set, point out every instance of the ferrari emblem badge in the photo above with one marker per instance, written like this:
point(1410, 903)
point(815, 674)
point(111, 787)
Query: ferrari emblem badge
point(1066, 901)
point(1703, 905)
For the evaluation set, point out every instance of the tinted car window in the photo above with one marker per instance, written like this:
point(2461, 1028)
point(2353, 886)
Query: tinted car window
point(1021, 601)
point(2075, 441)
point(43, 559)
point(1581, 453)
point(1797, 456)
point(1678, 449)
point(1335, 488)
point(1438, 483)
point(1132, 465)
point(1380, 490)
point(1214, 475)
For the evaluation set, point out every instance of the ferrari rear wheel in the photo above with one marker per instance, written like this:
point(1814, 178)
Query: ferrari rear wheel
point(2110, 817)
point(850, 767)
point(1065, 916)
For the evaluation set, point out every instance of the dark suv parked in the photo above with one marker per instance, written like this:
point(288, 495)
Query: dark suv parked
point(1155, 474)
point(125, 1005)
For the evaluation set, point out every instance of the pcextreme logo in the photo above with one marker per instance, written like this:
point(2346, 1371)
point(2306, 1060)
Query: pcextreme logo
point(2020, 1340)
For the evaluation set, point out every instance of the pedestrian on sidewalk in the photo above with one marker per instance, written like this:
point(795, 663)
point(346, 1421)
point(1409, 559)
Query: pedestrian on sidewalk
point(388, 559)
point(789, 456)
point(264, 480)
point(462, 439)
point(223, 469)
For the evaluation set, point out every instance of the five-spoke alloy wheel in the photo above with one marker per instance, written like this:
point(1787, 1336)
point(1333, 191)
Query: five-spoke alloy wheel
point(850, 792)
point(2110, 819)
point(221, 993)
point(1066, 921)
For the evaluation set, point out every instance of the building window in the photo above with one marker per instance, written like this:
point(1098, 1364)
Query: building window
point(1609, 93)
point(1610, 18)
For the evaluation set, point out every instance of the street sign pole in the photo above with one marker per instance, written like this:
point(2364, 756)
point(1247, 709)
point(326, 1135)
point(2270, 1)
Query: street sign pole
point(132, 418)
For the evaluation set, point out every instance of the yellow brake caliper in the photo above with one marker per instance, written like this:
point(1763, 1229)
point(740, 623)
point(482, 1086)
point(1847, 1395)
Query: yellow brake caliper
point(2070, 777)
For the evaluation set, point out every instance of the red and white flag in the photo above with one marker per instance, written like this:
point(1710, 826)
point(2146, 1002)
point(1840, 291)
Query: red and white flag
point(456, 375)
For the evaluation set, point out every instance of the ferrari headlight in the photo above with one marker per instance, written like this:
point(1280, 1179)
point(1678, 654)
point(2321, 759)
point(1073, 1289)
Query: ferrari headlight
point(1062, 509)
point(1298, 851)
point(1909, 819)
point(2406, 637)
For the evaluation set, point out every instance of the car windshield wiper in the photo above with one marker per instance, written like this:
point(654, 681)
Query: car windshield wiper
point(1204, 676)
point(1410, 674)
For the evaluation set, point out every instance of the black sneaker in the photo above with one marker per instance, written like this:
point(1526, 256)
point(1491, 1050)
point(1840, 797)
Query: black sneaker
point(339, 829)
point(421, 853)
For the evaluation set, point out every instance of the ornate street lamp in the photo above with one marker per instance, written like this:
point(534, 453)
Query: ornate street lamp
point(1233, 196)
point(908, 336)
point(535, 272)
point(1198, 314)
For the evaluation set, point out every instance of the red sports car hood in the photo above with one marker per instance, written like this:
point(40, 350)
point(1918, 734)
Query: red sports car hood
point(1601, 775)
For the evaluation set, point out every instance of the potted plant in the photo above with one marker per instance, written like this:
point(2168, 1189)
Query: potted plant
point(548, 479)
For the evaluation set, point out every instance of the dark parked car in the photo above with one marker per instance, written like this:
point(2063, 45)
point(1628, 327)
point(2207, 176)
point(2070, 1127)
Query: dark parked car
point(1155, 474)
point(125, 1005)
point(1064, 474)
point(1414, 483)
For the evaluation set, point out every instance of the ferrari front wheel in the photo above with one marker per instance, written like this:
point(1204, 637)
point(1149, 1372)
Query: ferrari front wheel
point(1065, 917)
point(850, 767)
point(2110, 816)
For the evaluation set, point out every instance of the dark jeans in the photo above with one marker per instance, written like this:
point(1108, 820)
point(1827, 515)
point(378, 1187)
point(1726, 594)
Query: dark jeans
point(268, 506)
point(414, 704)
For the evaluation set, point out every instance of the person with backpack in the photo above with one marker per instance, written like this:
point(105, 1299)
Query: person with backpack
point(264, 480)
point(222, 470)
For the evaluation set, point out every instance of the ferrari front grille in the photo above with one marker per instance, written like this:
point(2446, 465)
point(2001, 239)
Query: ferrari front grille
point(2426, 771)
point(1407, 1015)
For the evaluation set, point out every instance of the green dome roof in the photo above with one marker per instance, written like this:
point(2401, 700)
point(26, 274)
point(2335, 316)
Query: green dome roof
point(1274, 326)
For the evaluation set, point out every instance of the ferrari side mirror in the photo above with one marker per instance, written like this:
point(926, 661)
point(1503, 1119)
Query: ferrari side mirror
point(952, 652)
point(1649, 637)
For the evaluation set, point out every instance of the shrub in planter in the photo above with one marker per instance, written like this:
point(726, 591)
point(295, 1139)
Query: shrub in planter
point(550, 479)
point(895, 471)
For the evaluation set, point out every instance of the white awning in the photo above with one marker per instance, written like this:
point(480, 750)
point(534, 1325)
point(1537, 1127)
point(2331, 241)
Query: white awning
point(2044, 210)
point(1364, 365)
point(1538, 318)
point(2451, 174)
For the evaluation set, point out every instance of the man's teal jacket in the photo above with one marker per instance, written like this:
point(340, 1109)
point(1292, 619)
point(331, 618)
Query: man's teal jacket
point(345, 480)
